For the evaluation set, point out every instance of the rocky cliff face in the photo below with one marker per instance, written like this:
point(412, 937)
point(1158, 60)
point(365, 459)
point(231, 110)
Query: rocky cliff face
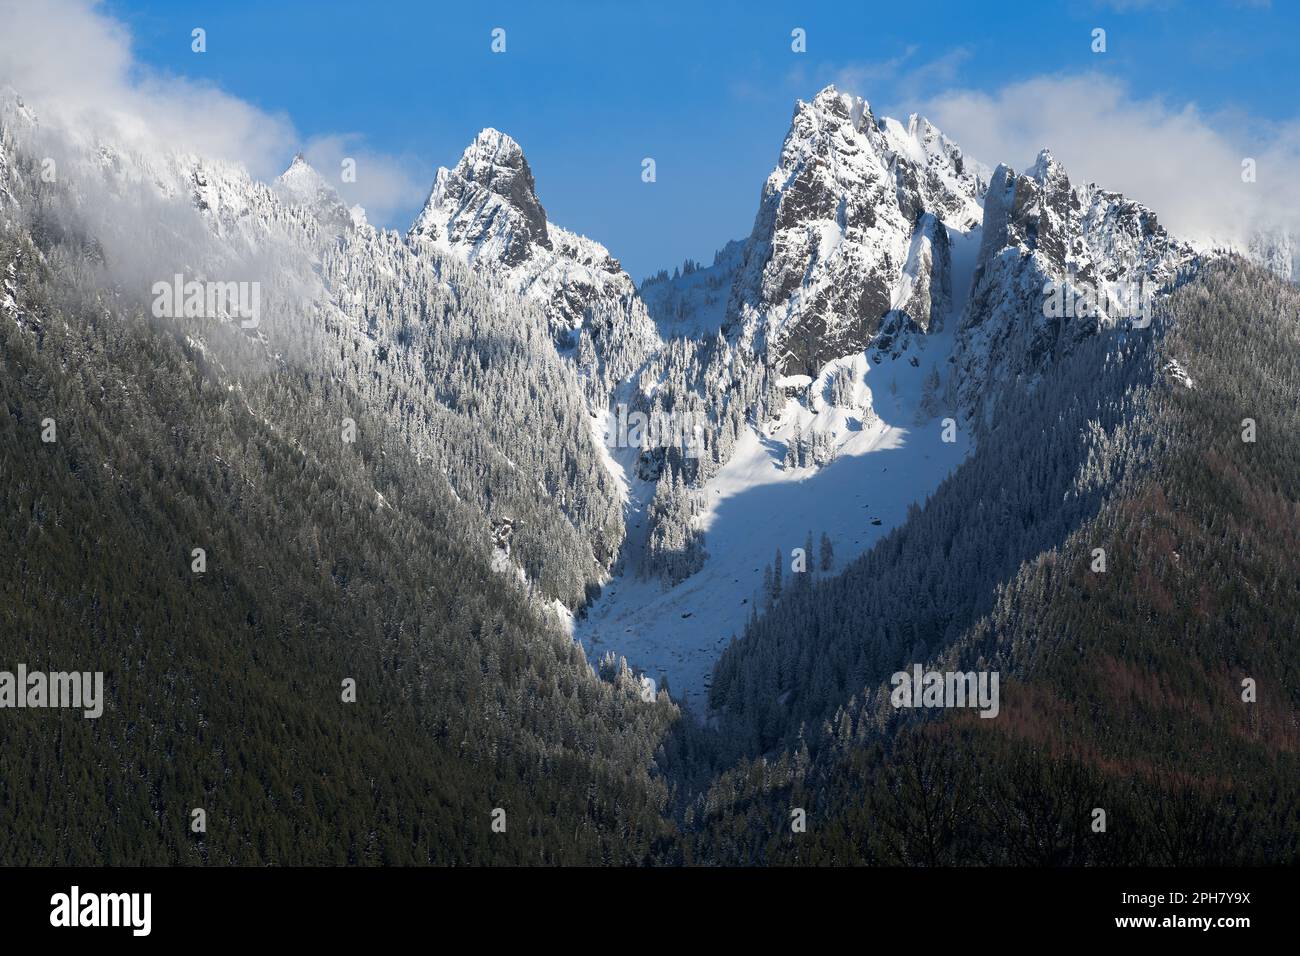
point(1057, 263)
point(852, 226)
point(486, 213)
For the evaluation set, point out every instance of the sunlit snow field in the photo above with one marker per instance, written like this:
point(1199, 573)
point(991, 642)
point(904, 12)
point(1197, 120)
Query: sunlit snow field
point(755, 507)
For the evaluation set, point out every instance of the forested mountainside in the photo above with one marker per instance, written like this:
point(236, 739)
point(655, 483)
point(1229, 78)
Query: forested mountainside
point(1121, 690)
point(1035, 476)
point(324, 561)
point(478, 391)
point(400, 476)
point(460, 368)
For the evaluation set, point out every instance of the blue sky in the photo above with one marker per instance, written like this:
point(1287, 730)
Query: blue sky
point(589, 89)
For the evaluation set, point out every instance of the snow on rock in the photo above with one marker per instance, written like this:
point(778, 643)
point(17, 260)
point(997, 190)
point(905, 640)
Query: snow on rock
point(486, 212)
point(862, 251)
point(302, 185)
point(1057, 263)
point(884, 456)
point(1174, 369)
point(850, 227)
point(487, 206)
point(1276, 250)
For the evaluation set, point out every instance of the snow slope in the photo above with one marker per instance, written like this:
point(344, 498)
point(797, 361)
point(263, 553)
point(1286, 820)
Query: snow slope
point(884, 460)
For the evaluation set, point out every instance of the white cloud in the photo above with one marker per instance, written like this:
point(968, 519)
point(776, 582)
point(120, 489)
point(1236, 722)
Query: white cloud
point(73, 63)
point(1184, 164)
point(905, 77)
point(384, 184)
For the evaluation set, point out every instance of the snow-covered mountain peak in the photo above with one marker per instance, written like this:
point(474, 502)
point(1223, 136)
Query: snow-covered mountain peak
point(852, 225)
point(302, 185)
point(486, 213)
point(300, 174)
point(486, 206)
point(833, 107)
point(1046, 168)
point(1057, 263)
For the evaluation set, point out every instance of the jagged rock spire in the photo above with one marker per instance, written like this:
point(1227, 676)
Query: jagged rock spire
point(488, 203)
